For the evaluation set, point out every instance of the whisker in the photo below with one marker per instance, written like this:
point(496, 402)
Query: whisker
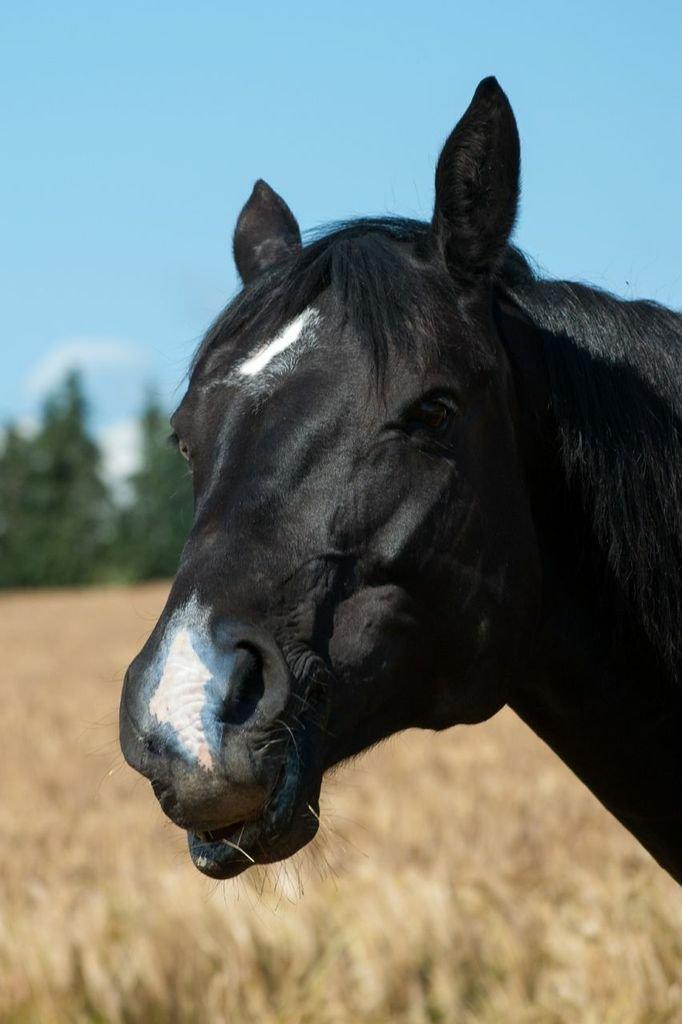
point(293, 738)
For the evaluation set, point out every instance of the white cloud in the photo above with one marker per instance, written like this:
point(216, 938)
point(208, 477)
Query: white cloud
point(120, 444)
point(81, 354)
point(25, 426)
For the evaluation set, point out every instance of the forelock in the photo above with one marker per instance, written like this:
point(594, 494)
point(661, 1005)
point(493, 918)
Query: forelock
point(374, 277)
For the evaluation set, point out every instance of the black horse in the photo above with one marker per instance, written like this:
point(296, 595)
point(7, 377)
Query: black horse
point(427, 483)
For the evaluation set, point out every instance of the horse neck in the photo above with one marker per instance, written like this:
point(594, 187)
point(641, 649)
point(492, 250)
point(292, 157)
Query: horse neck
point(593, 692)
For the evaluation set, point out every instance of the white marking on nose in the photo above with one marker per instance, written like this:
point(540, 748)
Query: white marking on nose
point(290, 334)
point(180, 697)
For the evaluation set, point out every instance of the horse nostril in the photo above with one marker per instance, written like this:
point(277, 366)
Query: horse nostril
point(246, 686)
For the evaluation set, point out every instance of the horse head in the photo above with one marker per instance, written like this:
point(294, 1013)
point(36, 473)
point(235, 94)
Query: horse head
point(362, 557)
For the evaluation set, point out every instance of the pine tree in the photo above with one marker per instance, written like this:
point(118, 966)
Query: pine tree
point(154, 527)
point(55, 515)
point(17, 524)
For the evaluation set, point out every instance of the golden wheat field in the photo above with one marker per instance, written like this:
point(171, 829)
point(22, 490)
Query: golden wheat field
point(465, 877)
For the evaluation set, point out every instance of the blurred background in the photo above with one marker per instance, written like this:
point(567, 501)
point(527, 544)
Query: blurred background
point(466, 878)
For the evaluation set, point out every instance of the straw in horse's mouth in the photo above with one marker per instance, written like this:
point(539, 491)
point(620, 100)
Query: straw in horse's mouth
point(219, 835)
point(222, 835)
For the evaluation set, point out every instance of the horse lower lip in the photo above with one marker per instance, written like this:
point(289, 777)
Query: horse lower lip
point(219, 858)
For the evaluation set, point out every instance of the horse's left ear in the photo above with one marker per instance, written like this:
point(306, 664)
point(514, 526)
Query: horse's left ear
point(477, 186)
point(266, 232)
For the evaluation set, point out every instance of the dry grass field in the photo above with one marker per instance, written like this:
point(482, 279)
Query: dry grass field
point(465, 877)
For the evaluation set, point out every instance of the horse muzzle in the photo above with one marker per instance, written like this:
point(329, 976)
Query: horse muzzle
point(205, 717)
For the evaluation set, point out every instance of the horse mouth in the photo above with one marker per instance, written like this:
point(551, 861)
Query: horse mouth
point(287, 822)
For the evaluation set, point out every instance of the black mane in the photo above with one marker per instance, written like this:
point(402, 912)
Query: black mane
point(380, 293)
point(615, 372)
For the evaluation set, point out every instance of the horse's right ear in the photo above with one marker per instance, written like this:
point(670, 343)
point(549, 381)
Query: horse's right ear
point(266, 233)
point(477, 187)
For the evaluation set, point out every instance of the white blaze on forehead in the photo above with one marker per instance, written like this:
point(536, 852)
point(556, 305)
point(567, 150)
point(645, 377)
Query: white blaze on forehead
point(285, 339)
point(180, 696)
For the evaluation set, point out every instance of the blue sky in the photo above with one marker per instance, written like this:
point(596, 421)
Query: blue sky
point(133, 133)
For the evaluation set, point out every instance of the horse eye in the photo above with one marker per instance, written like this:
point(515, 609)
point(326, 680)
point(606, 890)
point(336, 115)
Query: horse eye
point(431, 415)
point(183, 448)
